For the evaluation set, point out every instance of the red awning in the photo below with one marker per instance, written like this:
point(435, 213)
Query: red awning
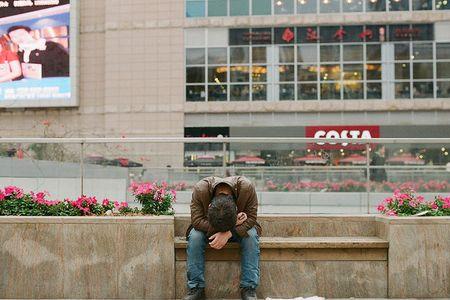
point(311, 159)
point(250, 160)
point(406, 159)
point(354, 159)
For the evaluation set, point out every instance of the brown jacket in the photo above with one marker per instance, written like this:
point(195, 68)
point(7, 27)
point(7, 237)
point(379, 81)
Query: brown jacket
point(246, 201)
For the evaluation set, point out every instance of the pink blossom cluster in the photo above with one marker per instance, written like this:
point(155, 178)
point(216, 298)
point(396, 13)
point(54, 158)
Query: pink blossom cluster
point(157, 191)
point(346, 185)
point(11, 191)
point(40, 198)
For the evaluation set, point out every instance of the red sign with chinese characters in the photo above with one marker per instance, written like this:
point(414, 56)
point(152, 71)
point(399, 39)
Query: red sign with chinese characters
point(336, 132)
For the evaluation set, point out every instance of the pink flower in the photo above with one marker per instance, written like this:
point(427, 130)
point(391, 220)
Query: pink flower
point(391, 213)
point(446, 203)
point(433, 205)
point(381, 208)
point(124, 204)
point(105, 202)
point(2, 195)
point(13, 190)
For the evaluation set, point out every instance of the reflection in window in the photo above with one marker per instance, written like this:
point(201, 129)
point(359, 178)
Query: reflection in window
point(442, 4)
point(375, 5)
point(352, 5)
point(195, 56)
point(330, 53)
point(422, 4)
point(423, 90)
point(217, 8)
point(259, 73)
point(423, 70)
point(353, 72)
point(283, 7)
point(259, 55)
point(286, 72)
point(261, 7)
point(374, 90)
point(239, 7)
point(306, 6)
point(401, 51)
point(330, 91)
point(307, 91)
point(217, 56)
point(353, 52)
point(443, 89)
point(286, 54)
point(239, 93)
point(259, 92)
point(373, 52)
point(217, 93)
point(443, 69)
point(443, 50)
point(195, 8)
point(422, 51)
point(195, 93)
point(402, 71)
point(217, 74)
point(353, 90)
point(239, 55)
point(307, 53)
point(373, 71)
point(307, 73)
point(330, 72)
point(398, 5)
point(239, 74)
point(329, 6)
point(287, 91)
point(402, 90)
point(195, 74)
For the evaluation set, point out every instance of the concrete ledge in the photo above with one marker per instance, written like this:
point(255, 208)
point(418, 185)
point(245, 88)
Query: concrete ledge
point(86, 220)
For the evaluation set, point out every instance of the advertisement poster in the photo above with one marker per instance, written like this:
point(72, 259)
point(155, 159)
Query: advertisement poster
point(35, 52)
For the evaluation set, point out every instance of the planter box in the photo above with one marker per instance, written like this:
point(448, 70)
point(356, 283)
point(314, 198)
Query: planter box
point(86, 257)
point(419, 256)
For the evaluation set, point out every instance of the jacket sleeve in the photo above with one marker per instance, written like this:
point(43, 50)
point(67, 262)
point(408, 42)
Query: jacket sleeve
point(251, 209)
point(198, 218)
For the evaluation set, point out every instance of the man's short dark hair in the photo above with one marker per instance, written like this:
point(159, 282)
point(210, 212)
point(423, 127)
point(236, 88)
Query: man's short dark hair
point(222, 213)
point(14, 28)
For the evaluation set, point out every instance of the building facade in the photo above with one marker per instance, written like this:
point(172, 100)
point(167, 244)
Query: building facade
point(253, 68)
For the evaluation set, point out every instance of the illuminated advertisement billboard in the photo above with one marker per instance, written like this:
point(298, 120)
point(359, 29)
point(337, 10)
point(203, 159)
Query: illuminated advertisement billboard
point(37, 58)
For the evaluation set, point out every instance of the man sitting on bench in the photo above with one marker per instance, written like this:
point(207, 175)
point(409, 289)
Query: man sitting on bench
point(223, 210)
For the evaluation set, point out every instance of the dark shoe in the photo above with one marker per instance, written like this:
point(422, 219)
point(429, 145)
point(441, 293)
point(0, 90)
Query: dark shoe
point(196, 293)
point(248, 293)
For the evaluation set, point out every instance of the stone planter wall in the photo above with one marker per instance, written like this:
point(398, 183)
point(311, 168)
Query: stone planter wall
point(86, 258)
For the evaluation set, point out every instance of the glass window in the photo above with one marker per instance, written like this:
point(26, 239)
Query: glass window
point(329, 91)
point(217, 8)
point(442, 4)
point(306, 6)
point(397, 5)
point(307, 35)
point(259, 92)
point(443, 89)
point(402, 71)
point(261, 7)
point(239, 73)
point(259, 55)
point(373, 71)
point(400, 32)
point(217, 93)
point(284, 35)
point(195, 56)
point(443, 50)
point(195, 93)
point(217, 56)
point(284, 7)
point(240, 92)
point(373, 52)
point(375, 5)
point(422, 51)
point(352, 33)
point(259, 73)
point(195, 8)
point(374, 90)
point(402, 90)
point(328, 34)
point(353, 90)
point(423, 70)
point(286, 72)
point(195, 74)
point(239, 55)
point(422, 4)
point(375, 33)
point(423, 90)
point(401, 51)
point(443, 69)
point(330, 53)
point(286, 54)
point(422, 32)
point(330, 72)
point(307, 53)
point(287, 92)
point(330, 6)
point(307, 73)
point(352, 5)
point(239, 7)
point(353, 72)
point(238, 37)
point(261, 36)
point(307, 91)
point(353, 53)
point(217, 74)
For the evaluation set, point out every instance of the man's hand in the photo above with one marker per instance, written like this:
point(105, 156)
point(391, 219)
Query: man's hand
point(220, 239)
point(241, 217)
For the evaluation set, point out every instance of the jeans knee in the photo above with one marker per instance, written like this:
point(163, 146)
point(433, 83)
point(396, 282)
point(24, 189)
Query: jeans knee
point(253, 238)
point(196, 238)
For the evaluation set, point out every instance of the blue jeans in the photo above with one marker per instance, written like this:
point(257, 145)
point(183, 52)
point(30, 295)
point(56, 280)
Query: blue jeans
point(197, 243)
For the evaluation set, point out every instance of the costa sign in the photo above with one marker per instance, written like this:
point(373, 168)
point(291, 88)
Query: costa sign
point(341, 132)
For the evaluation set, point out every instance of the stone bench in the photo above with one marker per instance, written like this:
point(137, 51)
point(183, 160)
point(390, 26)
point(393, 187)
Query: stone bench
point(298, 259)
